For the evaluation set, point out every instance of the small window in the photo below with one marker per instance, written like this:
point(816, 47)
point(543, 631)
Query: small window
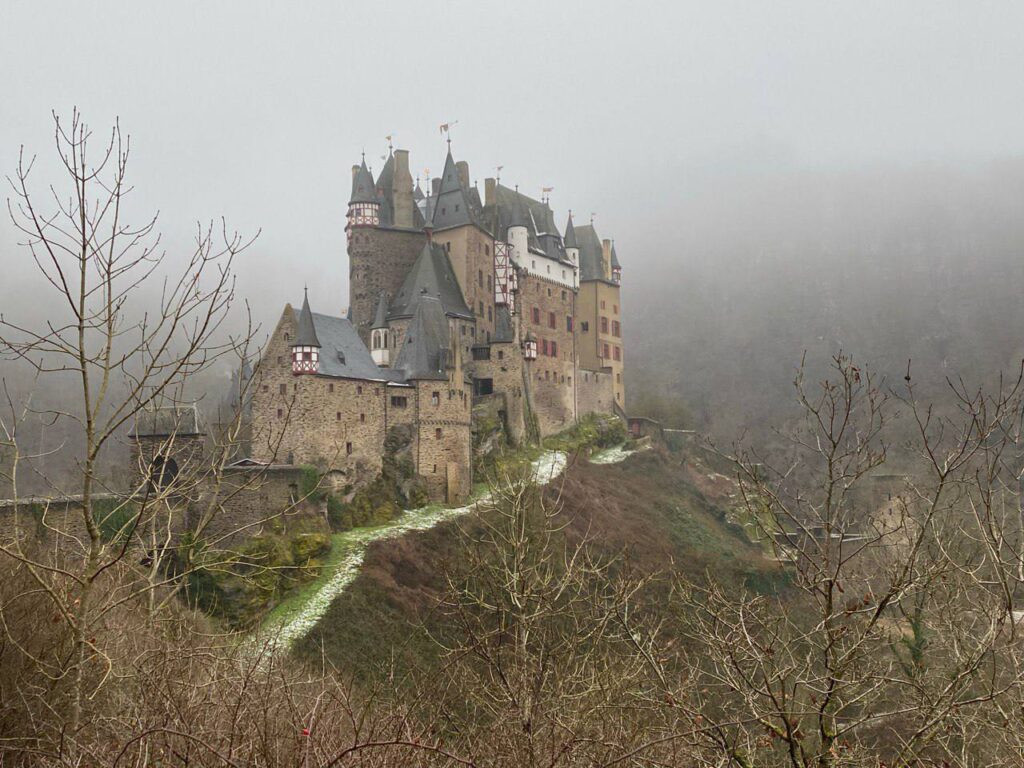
point(437, 433)
point(602, 303)
point(501, 354)
point(359, 389)
point(604, 325)
point(551, 320)
point(480, 278)
point(280, 412)
point(487, 251)
point(544, 346)
point(337, 416)
point(563, 292)
point(435, 469)
point(490, 314)
point(617, 353)
point(568, 323)
point(584, 326)
point(399, 402)
point(287, 336)
point(348, 448)
point(280, 359)
point(554, 348)
point(284, 389)
point(536, 315)
point(266, 388)
point(435, 398)
point(605, 351)
point(362, 418)
point(615, 308)
point(330, 387)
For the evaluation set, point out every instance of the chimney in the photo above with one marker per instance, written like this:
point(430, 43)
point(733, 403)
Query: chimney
point(402, 189)
point(606, 259)
point(462, 168)
point(435, 186)
point(490, 192)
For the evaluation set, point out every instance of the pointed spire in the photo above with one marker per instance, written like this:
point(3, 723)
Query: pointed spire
point(380, 320)
point(306, 335)
point(615, 257)
point(363, 190)
point(569, 240)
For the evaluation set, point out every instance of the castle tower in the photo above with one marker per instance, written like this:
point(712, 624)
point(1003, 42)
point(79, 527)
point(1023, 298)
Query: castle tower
point(572, 250)
point(306, 348)
point(379, 349)
point(168, 449)
point(518, 233)
point(363, 205)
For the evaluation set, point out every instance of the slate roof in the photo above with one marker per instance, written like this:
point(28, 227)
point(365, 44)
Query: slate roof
point(380, 319)
point(385, 191)
point(590, 253)
point(569, 238)
point(431, 275)
point(424, 354)
point(454, 205)
point(167, 421)
point(516, 209)
point(342, 352)
point(363, 190)
point(305, 335)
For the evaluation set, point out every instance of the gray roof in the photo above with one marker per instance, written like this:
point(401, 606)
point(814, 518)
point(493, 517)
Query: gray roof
point(516, 209)
point(424, 354)
point(167, 421)
point(615, 258)
point(342, 352)
point(431, 275)
point(380, 319)
point(362, 186)
point(454, 206)
point(385, 191)
point(305, 336)
point(569, 239)
point(590, 253)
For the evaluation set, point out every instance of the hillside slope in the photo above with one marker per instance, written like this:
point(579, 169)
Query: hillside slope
point(647, 509)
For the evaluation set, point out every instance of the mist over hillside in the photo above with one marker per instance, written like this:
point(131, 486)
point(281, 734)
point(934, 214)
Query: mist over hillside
point(886, 263)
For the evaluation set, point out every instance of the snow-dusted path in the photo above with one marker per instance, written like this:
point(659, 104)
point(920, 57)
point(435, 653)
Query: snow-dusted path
point(296, 625)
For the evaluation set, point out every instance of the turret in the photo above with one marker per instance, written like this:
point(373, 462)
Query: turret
point(379, 349)
point(606, 259)
point(306, 348)
point(616, 268)
point(363, 205)
point(572, 250)
point(518, 234)
point(530, 346)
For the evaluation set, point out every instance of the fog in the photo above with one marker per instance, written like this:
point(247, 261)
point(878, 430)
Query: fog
point(777, 176)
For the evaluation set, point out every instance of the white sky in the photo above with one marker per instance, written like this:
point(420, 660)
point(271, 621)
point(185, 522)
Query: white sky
point(256, 110)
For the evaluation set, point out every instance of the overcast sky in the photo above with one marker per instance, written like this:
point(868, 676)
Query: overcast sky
point(256, 110)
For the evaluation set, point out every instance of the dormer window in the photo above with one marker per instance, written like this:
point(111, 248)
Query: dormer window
point(341, 357)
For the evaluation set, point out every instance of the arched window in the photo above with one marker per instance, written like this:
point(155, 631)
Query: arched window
point(162, 473)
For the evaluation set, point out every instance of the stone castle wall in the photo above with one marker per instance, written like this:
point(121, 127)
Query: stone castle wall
point(379, 260)
point(443, 443)
point(542, 304)
point(336, 424)
point(595, 391)
point(505, 369)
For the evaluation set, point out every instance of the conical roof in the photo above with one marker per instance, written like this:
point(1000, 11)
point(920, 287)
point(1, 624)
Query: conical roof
point(452, 206)
point(431, 275)
point(363, 190)
point(569, 239)
point(306, 335)
point(426, 340)
point(380, 319)
point(615, 257)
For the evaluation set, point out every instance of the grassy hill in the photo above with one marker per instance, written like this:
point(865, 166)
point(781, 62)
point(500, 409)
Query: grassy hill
point(657, 512)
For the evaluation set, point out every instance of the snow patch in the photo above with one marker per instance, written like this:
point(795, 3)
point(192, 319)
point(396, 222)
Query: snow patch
point(615, 454)
point(546, 468)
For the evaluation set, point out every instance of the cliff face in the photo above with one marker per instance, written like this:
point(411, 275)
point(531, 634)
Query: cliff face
point(647, 511)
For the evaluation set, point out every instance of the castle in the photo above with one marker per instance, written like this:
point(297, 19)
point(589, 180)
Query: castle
point(457, 306)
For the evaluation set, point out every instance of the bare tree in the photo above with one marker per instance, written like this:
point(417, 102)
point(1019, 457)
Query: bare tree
point(120, 357)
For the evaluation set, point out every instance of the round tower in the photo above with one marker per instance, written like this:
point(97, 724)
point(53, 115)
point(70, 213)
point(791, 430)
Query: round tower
point(363, 205)
point(306, 348)
point(518, 234)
